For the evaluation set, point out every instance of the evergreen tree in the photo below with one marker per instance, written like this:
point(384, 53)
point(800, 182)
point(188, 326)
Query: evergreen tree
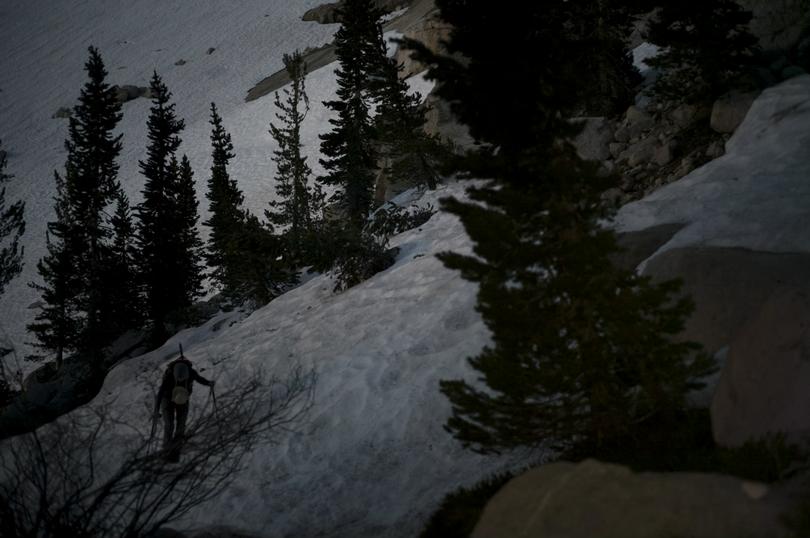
point(351, 161)
point(601, 30)
point(297, 200)
point(81, 233)
point(412, 156)
point(189, 245)
point(168, 252)
point(57, 326)
point(225, 207)
point(705, 46)
point(581, 350)
point(12, 226)
point(123, 300)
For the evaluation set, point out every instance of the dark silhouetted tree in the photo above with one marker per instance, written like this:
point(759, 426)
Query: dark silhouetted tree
point(124, 304)
point(225, 208)
point(581, 350)
point(79, 242)
point(12, 226)
point(168, 261)
point(350, 159)
point(297, 202)
point(705, 45)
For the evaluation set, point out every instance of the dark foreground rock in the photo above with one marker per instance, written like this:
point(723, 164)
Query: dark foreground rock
point(589, 499)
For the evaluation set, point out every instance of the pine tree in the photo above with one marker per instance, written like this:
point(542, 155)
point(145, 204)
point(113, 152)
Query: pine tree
point(57, 326)
point(123, 300)
point(351, 161)
point(581, 350)
point(412, 155)
point(601, 29)
point(297, 200)
point(225, 207)
point(169, 273)
point(705, 46)
point(12, 226)
point(81, 233)
point(189, 245)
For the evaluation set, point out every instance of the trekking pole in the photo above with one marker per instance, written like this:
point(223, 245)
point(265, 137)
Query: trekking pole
point(214, 398)
point(152, 433)
point(181, 349)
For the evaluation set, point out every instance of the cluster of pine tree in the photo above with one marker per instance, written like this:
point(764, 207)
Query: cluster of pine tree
point(111, 268)
point(582, 350)
point(368, 81)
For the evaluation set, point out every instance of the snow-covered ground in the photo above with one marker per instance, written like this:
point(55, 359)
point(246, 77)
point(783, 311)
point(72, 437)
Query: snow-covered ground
point(756, 196)
point(41, 70)
point(372, 458)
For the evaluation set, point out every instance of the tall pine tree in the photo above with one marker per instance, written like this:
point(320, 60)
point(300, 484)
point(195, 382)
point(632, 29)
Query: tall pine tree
point(170, 272)
point(411, 155)
point(350, 159)
point(225, 207)
point(12, 226)
point(79, 242)
point(581, 350)
point(297, 200)
point(57, 326)
point(124, 306)
point(189, 245)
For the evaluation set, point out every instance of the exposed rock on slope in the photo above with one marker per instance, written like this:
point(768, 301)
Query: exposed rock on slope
point(322, 56)
point(744, 237)
point(763, 388)
point(564, 500)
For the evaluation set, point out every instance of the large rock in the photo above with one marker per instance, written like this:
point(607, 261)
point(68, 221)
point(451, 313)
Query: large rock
point(778, 23)
point(593, 141)
point(431, 32)
point(327, 13)
point(728, 285)
point(729, 111)
point(128, 92)
point(593, 499)
point(324, 14)
point(764, 386)
point(440, 120)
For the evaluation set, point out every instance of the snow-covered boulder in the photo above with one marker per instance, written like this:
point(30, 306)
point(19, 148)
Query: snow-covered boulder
point(589, 499)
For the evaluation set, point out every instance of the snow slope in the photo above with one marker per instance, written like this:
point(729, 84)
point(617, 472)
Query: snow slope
point(41, 69)
point(372, 458)
point(756, 196)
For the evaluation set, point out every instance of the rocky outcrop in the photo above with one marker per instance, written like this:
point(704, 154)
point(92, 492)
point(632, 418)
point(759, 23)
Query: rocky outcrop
point(589, 499)
point(729, 111)
point(440, 120)
point(327, 13)
point(431, 32)
point(648, 148)
point(763, 387)
point(728, 286)
point(129, 92)
point(593, 141)
point(323, 14)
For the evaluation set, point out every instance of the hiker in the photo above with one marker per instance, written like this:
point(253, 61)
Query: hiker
point(172, 399)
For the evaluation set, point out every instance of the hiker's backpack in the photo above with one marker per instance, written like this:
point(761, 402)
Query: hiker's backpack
point(181, 371)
